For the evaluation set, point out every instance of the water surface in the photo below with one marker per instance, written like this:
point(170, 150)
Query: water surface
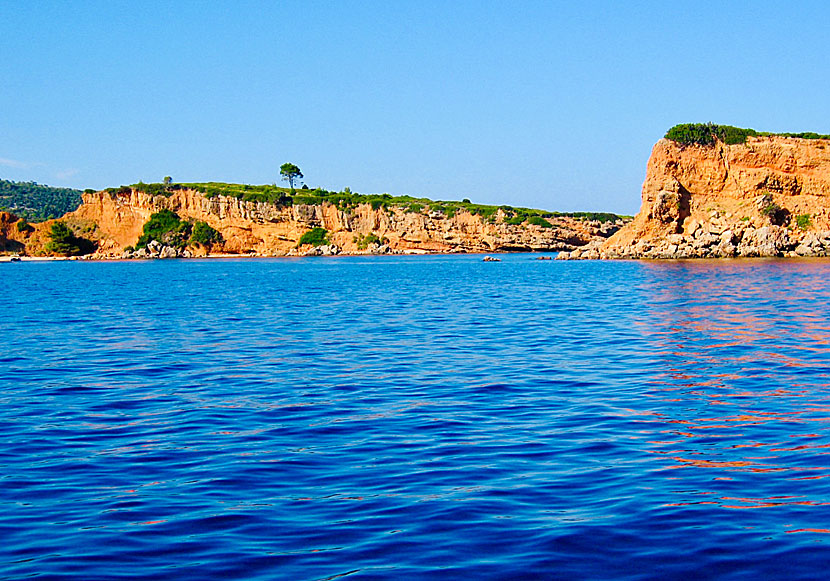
point(429, 417)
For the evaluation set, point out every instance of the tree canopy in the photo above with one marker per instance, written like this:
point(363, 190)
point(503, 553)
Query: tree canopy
point(167, 228)
point(37, 202)
point(205, 234)
point(316, 237)
point(290, 172)
point(64, 242)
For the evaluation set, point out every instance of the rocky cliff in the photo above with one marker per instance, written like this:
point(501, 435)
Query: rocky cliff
point(11, 237)
point(116, 220)
point(769, 196)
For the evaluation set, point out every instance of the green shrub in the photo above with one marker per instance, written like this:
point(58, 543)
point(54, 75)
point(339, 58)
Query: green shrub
point(205, 235)
point(315, 237)
point(708, 133)
point(803, 221)
point(166, 228)
point(165, 190)
point(64, 242)
point(363, 241)
point(776, 214)
point(539, 221)
point(595, 216)
point(770, 210)
point(24, 226)
point(486, 212)
point(805, 135)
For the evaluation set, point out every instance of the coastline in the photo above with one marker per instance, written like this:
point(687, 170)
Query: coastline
point(219, 256)
point(533, 255)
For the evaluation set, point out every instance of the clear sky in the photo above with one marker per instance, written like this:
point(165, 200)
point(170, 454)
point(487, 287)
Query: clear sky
point(547, 104)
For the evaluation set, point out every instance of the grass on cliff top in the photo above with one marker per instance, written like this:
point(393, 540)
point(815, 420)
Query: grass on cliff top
point(348, 200)
point(708, 133)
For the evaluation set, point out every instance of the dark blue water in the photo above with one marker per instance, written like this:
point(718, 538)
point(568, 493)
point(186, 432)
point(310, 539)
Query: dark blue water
point(421, 417)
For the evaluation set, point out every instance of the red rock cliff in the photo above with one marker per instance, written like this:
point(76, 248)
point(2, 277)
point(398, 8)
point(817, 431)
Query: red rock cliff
point(767, 197)
point(269, 230)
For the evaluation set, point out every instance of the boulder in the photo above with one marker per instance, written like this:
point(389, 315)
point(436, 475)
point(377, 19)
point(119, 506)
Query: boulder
point(168, 252)
point(765, 241)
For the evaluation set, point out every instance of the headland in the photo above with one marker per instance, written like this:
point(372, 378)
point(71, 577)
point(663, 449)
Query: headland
point(719, 192)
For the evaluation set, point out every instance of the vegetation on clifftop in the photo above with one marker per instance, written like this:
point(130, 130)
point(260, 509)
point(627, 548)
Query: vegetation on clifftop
point(289, 173)
point(348, 201)
point(708, 133)
point(37, 202)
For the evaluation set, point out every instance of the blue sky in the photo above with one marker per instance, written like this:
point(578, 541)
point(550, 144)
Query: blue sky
point(553, 105)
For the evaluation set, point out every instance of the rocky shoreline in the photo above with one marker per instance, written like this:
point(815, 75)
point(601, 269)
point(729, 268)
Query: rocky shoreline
point(767, 241)
point(156, 250)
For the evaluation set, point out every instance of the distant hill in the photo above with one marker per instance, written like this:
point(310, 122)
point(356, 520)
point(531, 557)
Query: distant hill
point(37, 202)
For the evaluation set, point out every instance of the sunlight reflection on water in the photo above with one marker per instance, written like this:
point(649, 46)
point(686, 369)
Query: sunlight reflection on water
point(740, 376)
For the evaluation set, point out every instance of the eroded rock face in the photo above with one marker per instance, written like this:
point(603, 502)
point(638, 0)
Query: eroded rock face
point(267, 230)
point(767, 197)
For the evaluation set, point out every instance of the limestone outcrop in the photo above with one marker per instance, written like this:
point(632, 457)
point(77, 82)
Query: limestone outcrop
point(263, 229)
point(769, 196)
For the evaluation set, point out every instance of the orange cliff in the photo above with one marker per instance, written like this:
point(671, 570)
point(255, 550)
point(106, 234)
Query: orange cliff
point(115, 221)
point(769, 196)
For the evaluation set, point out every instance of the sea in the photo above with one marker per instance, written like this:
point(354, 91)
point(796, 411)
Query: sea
point(415, 417)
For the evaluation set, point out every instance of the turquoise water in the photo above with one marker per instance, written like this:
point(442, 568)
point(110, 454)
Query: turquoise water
point(415, 417)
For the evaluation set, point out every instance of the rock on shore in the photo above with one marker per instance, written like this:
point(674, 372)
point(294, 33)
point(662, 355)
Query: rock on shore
point(157, 250)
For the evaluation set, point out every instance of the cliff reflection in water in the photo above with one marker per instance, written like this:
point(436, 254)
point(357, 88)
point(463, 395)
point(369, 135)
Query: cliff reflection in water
point(740, 378)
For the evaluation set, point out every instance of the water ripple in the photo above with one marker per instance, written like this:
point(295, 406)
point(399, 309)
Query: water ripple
point(376, 417)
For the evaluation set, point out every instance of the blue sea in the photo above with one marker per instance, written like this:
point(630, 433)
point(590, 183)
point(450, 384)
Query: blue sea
point(415, 418)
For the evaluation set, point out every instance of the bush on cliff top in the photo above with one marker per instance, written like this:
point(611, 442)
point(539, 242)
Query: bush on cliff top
point(708, 133)
point(539, 221)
